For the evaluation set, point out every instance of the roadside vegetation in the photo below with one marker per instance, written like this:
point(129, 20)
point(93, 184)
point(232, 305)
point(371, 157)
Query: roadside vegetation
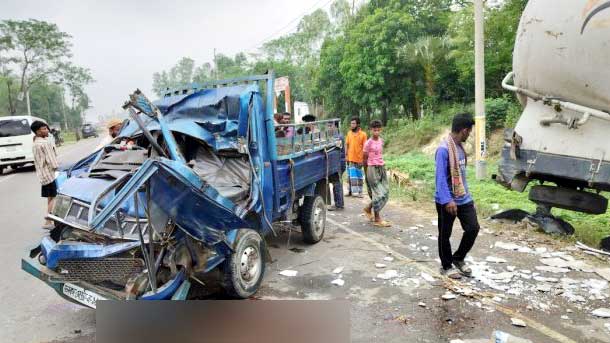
point(490, 197)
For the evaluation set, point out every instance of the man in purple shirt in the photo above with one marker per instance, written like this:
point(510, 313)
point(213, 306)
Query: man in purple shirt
point(449, 205)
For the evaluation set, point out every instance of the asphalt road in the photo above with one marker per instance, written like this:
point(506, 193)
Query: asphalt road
point(30, 310)
point(407, 307)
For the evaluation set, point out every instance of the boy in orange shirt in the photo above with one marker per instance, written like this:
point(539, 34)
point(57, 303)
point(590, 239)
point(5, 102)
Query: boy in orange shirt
point(354, 142)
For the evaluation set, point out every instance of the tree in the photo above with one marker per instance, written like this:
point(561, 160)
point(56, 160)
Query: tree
point(37, 47)
point(500, 31)
point(75, 79)
point(179, 75)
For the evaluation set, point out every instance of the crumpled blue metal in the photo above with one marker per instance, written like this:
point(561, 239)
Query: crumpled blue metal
point(217, 116)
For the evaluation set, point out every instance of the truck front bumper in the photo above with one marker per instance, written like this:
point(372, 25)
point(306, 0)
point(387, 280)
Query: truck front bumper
point(87, 291)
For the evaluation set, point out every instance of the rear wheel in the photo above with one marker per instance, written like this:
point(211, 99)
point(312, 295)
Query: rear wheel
point(313, 219)
point(244, 269)
point(569, 199)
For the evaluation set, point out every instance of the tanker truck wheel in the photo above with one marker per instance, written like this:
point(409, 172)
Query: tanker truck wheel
point(569, 199)
point(243, 271)
point(313, 219)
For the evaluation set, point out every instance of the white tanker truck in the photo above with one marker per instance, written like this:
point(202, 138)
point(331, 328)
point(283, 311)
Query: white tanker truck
point(561, 75)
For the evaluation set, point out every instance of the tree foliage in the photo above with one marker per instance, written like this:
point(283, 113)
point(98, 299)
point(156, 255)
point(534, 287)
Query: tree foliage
point(386, 59)
point(35, 60)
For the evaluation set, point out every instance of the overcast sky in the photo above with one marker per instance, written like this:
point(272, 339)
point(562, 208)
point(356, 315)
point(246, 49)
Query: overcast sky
point(125, 42)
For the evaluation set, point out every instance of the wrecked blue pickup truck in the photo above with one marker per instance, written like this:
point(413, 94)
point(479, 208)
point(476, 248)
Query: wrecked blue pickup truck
point(192, 185)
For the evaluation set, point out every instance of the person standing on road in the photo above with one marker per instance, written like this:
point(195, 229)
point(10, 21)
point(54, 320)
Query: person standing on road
point(453, 199)
point(114, 128)
point(45, 162)
point(376, 177)
point(354, 150)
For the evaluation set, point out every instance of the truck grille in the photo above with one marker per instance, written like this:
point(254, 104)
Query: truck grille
point(79, 212)
point(116, 270)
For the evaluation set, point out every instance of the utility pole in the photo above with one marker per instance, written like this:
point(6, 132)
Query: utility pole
point(479, 90)
point(27, 101)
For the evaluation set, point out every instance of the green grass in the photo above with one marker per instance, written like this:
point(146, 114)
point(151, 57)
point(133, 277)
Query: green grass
point(405, 135)
point(590, 229)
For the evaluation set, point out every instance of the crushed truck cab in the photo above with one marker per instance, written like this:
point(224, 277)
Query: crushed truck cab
point(193, 184)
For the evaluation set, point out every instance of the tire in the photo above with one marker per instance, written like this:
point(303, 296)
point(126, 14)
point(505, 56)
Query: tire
point(243, 271)
point(569, 199)
point(1, 170)
point(313, 219)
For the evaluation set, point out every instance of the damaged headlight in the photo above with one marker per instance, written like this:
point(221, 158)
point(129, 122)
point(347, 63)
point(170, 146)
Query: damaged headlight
point(61, 206)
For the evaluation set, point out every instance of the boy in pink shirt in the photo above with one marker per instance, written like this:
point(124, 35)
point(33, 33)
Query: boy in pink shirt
point(376, 177)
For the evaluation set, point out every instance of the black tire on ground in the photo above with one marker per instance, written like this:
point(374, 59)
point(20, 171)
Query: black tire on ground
point(1, 170)
point(313, 219)
point(569, 199)
point(243, 271)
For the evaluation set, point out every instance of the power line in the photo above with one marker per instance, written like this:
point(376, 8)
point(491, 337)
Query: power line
point(300, 16)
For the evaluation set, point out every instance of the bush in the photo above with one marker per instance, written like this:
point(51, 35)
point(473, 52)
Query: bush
point(496, 111)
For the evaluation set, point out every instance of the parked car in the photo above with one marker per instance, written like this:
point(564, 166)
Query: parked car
point(88, 130)
point(16, 141)
point(192, 185)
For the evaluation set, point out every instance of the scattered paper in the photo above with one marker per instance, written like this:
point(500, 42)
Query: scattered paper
point(518, 322)
point(289, 272)
point(337, 270)
point(493, 259)
point(602, 312)
point(380, 265)
point(544, 288)
point(427, 277)
point(388, 258)
point(338, 282)
point(448, 296)
point(552, 269)
point(604, 273)
point(421, 304)
point(388, 274)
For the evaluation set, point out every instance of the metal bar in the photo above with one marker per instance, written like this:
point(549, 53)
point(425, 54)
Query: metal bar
point(269, 117)
point(153, 286)
point(147, 134)
point(554, 102)
point(141, 175)
point(151, 247)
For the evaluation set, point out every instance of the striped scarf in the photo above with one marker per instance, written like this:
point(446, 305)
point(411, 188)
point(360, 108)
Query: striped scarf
point(457, 184)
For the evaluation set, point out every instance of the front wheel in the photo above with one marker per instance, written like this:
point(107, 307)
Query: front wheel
point(244, 269)
point(313, 219)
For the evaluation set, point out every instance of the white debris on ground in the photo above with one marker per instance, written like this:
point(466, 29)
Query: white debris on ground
point(380, 265)
point(560, 278)
point(289, 272)
point(338, 282)
point(388, 258)
point(448, 296)
point(427, 277)
point(388, 274)
point(494, 259)
point(337, 270)
point(601, 312)
point(518, 322)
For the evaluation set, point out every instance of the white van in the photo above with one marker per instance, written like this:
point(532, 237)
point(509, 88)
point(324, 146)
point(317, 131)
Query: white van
point(16, 141)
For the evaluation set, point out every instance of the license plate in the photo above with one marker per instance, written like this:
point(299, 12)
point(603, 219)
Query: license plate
point(81, 295)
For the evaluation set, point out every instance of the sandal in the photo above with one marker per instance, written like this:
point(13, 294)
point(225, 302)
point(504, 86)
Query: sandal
point(382, 223)
point(368, 214)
